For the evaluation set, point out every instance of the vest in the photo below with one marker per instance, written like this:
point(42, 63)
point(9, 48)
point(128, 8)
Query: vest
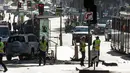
point(1, 47)
point(43, 46)
point(83, 45)
point(97, 45)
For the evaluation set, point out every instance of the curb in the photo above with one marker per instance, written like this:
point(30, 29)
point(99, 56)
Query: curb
point(94, 71)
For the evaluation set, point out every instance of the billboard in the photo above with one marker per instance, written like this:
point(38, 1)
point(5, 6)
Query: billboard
point(44, 28)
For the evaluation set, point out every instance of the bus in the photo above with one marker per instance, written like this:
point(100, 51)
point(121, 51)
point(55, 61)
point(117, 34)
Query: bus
point(120, 34)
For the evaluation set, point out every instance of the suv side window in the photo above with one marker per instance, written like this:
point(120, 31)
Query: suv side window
point(32, 38)
point(16, 38)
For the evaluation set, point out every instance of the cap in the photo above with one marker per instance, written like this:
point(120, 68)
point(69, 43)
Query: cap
point(97, 36)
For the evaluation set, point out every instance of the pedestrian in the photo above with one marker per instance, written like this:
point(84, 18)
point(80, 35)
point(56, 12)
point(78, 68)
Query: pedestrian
point(43, 49)
point(9, 25)
point(82, 50)
point(1, 55)
point(96, 48)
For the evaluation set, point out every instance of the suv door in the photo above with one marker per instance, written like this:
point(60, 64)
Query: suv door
point(33, 43)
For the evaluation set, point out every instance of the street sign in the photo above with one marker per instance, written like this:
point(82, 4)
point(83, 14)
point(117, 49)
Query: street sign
point(59, 10)
point(44, 28)
point(89, 16)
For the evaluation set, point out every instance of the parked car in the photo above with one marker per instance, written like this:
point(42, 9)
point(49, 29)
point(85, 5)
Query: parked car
point(99, 29)
point(80, 31)
point(22, 45)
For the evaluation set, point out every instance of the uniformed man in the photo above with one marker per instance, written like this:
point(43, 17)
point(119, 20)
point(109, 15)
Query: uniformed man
point(1, 55)
point(82, 50)
point(96, 48)
point(43, 50)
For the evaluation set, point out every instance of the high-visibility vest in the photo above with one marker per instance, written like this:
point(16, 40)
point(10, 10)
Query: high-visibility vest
point(97, 45)
point(1, 47)
point(83, 45)
point(43, 46)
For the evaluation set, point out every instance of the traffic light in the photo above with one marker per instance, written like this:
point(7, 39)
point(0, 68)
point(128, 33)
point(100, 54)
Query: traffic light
point(23, 0)
point(19, 4)
point(41, 9)
point(94, 10)
point(88, 3)
point(29, 4)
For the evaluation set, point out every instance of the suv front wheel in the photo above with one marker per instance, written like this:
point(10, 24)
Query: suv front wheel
point(9, 57)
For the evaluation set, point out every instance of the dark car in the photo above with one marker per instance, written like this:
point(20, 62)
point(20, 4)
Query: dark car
point(80, 31)
point(99, 29)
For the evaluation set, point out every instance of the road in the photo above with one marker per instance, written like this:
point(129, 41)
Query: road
point(65, 52)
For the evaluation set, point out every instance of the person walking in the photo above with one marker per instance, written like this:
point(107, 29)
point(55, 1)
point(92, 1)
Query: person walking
point(43, 50)
point(1, 55)
point(82, 50)
point(96, 48)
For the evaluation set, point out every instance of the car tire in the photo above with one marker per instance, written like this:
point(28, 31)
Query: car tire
point(105, 39)
point(108, 39)
point(9, 57)
point(21, 57)
point(72, 42)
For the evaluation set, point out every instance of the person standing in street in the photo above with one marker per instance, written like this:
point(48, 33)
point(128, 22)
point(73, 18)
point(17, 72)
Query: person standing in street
point(1, 55)
point(82, 50)
point(96, 48)
point(43, 50)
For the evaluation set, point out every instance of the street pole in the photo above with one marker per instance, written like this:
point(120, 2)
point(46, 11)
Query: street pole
point(88, 40)
point(61, 43)
point(18, 12)
point(89, 44)
point(32, 16)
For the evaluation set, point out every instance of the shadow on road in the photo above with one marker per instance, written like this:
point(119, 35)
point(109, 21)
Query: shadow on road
point(114, 53)
point(19, 65)
point(122, 55)
point(29, 63)
point(126, 57)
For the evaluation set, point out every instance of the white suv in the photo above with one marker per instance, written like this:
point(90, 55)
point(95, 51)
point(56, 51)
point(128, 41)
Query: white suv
point(22, 45)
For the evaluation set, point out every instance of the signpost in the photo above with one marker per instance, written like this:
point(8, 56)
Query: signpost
point(59, 13)
point(91, 18)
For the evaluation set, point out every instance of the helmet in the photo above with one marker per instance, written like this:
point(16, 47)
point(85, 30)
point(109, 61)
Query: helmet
point(97, 37)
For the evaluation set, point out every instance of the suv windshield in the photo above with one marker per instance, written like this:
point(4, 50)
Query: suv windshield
point(80, 29)
point(16, 38)
point(103, 20)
